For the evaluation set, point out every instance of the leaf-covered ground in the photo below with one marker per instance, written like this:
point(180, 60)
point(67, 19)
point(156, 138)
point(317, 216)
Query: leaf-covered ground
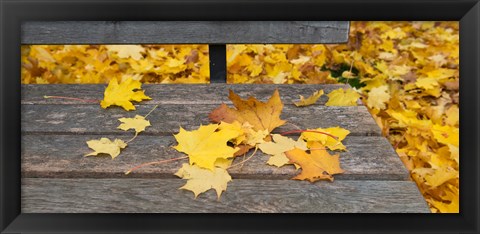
point(406, 72)
point(82, 64)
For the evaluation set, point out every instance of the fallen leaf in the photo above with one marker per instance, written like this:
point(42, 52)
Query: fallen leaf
point(206, 144)
point(126, 51)
point(452, 207)
point(122, 94)
point(253, 137)
point(436, 177)
point(139, 123)
point(278, 148)
point(341, 97)
point(278, 160)
point(317, 165)
point(328, 141)
point(452, 115)
point(454, 153)
point(427, 83)
point(281, 144)
point(106, 146)
point(261, 115)
point(310, 100)
point(377, 97)
point(452, 196)
point(440, 176)
point(223, 163)
point(200, 180)
point(349, 75)
point(249, 137)
point(446, 134)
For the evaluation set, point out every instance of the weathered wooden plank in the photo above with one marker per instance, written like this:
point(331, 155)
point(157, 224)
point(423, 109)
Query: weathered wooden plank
point(61, 156)
point(183, 32)
point(175, 93)
point(166, 119)
point(242, 196)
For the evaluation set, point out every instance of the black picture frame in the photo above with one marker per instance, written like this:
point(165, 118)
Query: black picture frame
point(13, 12)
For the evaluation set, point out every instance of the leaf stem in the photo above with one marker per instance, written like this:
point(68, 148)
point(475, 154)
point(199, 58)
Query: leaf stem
point(136, 134)
point(242, 162)
point(300, 131)
point(155, 107)
point(72, 98)
point(153, 163)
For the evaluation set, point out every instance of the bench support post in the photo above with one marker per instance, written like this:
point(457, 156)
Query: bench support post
point(218, 63)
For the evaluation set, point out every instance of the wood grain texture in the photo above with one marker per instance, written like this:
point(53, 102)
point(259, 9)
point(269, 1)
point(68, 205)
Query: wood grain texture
point(183, 32)
point(58, 178)
point(191, 94)
point(166, 119)
point(61, 156)
point(245, 196)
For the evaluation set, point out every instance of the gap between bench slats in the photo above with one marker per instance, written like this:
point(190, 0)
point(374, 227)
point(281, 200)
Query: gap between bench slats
point(191, 94)
point(251, 196)
point(183, 32)
point(166, 119)
point(368, 158)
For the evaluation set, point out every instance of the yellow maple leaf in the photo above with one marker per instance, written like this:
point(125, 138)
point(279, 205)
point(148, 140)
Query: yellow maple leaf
point(200, 180)
point(206, 144)
point(435, 177)
point(42, 54)
point(386, 56)
point(454, 153)
point(328, 141)
point(442, 73)
point(223, 163)
point(254, 69)
point(377, 97)
point(278, 160)
point(261, 115)
point(396, 33)
point(281, 144)
point(310, 100)
point(249, 136)
point(106, 146)
point(446, 134)
point(301, 60)
point(122, 94)
point(438, 59)
point(341, 97)
point(235, 127)
point(443, 207)
point(253, 137)
point(427, 83)
point(139, 123)
point(173, 66)
point(452, 196)
point(317, 165)
point(278, 148)
point(452, 115)
point(442, 158)
point(126, 51)
point(409, 118)
point(440, 176)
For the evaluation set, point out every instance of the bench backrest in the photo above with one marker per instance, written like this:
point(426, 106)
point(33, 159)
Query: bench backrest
point(214, 33)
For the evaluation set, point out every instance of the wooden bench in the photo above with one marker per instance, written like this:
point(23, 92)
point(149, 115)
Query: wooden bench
point(57, 178)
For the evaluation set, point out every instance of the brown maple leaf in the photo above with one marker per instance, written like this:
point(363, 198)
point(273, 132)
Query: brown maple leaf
point(261, 115)
point(317, 165)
